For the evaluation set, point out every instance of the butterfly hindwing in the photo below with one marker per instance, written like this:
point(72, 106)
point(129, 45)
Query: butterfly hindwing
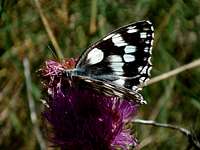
point(121, 58)
point(104, 88)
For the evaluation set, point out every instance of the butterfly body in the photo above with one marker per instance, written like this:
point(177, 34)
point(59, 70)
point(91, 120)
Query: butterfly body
point(118, 63)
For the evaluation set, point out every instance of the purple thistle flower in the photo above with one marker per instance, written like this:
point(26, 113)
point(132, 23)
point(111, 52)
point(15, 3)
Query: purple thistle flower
point(84, 119)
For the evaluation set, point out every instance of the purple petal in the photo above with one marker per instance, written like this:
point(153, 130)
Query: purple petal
point(83, 119)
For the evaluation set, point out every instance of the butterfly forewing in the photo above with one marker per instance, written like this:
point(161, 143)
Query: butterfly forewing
point(122, 57)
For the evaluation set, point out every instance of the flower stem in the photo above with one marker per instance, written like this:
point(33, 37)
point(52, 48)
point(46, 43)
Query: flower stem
point(194, 141)
point(31, 104)
point(174, 72)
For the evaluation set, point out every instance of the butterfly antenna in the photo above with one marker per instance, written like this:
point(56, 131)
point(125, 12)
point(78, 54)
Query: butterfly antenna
point(53, 51)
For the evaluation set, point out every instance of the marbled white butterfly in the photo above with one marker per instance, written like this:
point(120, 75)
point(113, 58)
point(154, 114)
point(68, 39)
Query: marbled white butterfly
point(118, 63)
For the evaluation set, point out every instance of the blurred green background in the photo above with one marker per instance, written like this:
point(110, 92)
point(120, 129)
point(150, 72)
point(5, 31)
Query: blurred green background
point(77, 24)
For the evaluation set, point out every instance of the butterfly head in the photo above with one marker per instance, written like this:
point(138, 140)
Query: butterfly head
point(69, 63)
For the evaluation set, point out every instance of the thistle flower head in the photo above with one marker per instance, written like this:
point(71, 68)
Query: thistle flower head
point(84, 119)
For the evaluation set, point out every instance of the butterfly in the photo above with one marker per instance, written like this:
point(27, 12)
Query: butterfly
point(118, 63)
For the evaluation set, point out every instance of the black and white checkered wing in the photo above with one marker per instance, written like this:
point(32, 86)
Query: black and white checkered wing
point(122, 58)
